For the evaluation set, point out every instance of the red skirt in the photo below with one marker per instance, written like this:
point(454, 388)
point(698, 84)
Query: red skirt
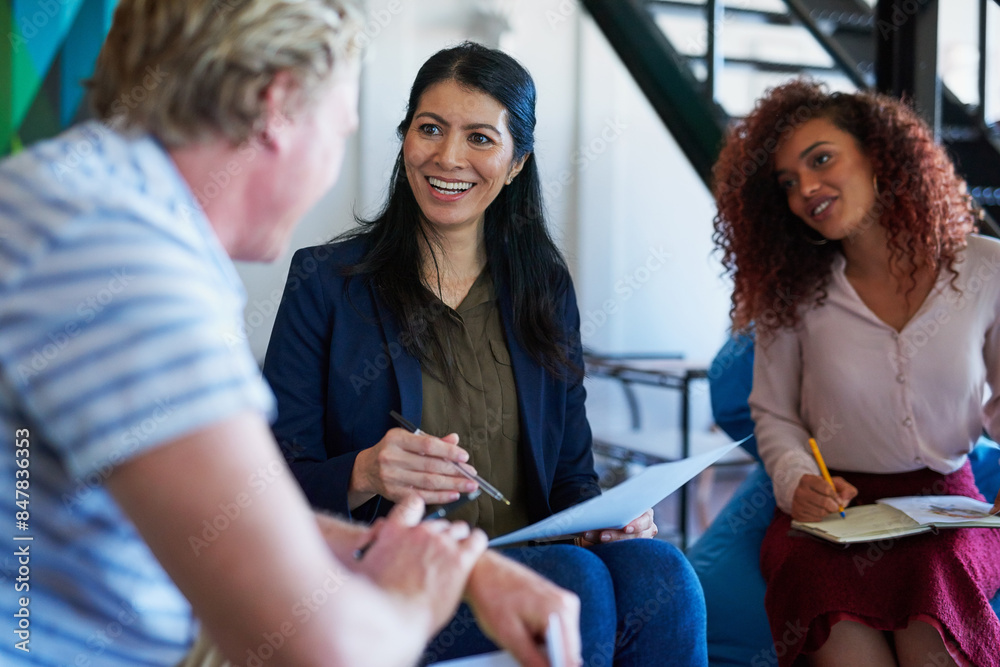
point(946, 578)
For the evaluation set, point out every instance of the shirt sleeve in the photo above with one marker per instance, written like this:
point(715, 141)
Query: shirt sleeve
point(782, 439)
point(117, 346)
point(991, 359)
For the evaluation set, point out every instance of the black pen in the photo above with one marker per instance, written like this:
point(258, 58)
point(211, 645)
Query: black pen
point(490, 490)
point(447, 509)
point(439, 513)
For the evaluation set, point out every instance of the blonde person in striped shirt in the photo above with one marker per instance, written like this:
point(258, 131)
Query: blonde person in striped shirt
point(154, 479)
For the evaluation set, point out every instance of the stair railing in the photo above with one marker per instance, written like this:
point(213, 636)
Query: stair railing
point(983, 53)
point(845, 62)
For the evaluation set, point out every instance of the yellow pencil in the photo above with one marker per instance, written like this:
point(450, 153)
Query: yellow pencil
point(825, 472)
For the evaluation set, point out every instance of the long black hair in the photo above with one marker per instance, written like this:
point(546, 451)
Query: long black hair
point(520, 254)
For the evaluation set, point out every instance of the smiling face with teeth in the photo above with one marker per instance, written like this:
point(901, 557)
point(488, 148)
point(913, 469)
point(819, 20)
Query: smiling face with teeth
point(827, 178)
point(458, 154)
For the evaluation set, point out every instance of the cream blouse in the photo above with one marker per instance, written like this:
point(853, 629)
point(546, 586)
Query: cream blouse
point(876, 400)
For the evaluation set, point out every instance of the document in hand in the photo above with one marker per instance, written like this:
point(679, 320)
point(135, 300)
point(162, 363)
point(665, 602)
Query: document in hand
point(896, 517)
point(553, 649)
point(495, 659)
point(616, 507)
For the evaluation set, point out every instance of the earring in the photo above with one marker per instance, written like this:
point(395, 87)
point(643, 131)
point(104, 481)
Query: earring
point(875, 185)
point(510, 180)
point(814, 241)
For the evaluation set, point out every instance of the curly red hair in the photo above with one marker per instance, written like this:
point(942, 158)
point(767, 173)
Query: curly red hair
point(922, 203)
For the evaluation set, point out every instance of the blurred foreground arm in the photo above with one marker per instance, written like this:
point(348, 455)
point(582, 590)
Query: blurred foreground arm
point(268, 571)
point(512, 605)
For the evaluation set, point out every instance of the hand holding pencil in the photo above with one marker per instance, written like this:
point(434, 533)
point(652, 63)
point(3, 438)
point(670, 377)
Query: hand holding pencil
point(817, 496)
point(826, 473)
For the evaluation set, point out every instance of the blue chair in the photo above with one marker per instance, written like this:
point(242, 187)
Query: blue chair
point(727, 556)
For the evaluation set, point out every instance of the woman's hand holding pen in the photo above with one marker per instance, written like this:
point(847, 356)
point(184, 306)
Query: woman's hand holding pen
point(814, 499)
point(642, 526)
point(403, 463)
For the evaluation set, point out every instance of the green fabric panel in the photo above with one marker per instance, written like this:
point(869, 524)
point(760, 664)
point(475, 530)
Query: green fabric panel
point(50, 46)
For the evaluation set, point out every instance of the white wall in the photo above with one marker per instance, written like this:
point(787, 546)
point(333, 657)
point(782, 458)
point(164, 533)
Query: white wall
point(264, 282)
point(622, 201)
point(647, 278)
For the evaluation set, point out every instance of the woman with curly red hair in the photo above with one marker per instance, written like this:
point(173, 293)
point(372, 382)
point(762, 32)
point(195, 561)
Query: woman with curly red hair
point(877, 316)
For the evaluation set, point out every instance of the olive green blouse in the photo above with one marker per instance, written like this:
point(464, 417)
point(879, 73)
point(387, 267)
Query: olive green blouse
point(481, 409)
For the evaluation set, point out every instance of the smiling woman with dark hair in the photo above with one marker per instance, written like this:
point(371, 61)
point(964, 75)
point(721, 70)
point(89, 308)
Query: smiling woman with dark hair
point(454, 307)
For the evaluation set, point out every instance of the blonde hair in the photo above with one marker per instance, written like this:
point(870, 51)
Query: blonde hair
point(187, 70)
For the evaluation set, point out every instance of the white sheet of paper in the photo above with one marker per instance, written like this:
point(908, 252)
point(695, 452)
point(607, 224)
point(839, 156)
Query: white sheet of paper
point(496, 659)
point(940, 509)
point(617, 506)
point(553, 646)
point(554, 642)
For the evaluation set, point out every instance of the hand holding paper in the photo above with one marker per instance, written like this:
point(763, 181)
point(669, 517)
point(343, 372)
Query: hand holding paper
point(641, 526)
point(514, 607)
point(617, 507)
point(553, 646)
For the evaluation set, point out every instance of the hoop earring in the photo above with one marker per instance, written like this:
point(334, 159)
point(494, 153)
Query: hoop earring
point(813, 241)
point(875, 185)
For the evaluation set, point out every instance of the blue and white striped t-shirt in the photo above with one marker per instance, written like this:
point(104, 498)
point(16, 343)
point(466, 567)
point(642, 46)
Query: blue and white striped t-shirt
point(120, 330)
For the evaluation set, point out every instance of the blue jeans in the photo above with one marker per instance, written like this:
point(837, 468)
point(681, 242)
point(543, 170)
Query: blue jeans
point(641, 604)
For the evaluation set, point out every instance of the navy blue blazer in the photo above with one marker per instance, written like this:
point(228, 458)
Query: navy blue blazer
point(337, 367)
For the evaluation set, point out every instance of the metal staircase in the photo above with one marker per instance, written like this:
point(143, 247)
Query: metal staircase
point(702, 62)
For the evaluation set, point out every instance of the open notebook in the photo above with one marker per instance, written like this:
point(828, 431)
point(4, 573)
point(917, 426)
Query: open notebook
point(895, 517)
